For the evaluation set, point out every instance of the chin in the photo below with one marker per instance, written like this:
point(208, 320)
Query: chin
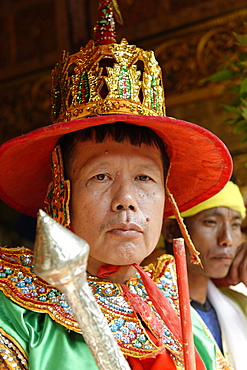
point(219, 275)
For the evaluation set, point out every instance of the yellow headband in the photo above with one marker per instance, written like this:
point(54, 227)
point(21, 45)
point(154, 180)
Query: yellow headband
point(229, 197)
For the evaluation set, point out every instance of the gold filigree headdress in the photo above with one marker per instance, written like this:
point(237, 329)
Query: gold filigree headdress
point(106, 77)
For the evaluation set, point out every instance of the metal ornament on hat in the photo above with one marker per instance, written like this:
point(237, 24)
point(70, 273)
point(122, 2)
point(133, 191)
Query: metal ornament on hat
point(58, 196)
point(107, 78)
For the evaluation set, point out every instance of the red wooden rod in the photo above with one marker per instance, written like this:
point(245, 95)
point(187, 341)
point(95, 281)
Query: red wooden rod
point(184, 304)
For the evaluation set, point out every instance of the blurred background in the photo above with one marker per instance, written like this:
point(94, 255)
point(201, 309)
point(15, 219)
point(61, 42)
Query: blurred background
point(190, 39)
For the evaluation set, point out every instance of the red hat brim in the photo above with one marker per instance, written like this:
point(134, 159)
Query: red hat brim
point(201, 163)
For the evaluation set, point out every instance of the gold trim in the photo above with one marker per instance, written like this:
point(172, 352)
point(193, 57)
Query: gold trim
point(12, 355)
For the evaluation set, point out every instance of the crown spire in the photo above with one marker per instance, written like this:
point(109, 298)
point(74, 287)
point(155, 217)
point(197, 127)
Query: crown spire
point(105, 29)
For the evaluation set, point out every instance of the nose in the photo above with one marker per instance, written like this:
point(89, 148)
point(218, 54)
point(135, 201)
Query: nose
point(225, 238)
point(124, 197)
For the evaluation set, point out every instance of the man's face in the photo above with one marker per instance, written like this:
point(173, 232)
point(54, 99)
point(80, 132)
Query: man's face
point(216, 234)
point(117, 200)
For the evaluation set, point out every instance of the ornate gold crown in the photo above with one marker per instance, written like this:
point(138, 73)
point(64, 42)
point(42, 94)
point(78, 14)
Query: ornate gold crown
point(107, 78)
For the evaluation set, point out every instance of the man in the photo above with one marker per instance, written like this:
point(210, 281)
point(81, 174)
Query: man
point(215, 228)
point(115, 158)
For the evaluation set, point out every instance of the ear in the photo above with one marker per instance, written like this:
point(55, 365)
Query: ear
point(170, 229)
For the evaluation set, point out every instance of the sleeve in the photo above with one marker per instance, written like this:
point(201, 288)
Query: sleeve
point(39, 342)
point(12, 346)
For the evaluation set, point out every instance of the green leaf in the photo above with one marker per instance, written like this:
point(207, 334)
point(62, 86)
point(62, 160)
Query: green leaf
point(236, 102)
point(243, 87)
point(244, 113)
point(244, 139)
point(230, 108)
point(237, 131)
point(233, 72)
point(243, 56)
point(243, 97)
point(221, 75)
point(242, 39)
point(240, 127)
point(244, 65)
point(230, 120)
point(243, 101)
point(235, 89)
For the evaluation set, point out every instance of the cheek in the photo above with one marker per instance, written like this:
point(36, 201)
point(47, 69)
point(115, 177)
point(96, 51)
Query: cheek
point(154, 210)
point(156, 203)
point(200, 237)
point(238, 238)
point(87, 210)
point(80, 209)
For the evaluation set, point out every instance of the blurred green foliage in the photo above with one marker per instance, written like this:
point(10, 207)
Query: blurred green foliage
point(233, 73)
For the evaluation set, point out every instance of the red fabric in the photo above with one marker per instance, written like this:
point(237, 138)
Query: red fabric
point(107, 270)
point(145, 312)
point(158, 299)
point(162, 306)
point(160, 362)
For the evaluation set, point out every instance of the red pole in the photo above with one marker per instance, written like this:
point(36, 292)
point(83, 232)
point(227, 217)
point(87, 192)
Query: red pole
point(184, 304)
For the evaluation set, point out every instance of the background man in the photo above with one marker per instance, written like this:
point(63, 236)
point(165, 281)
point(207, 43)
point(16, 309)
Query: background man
point(215, 228)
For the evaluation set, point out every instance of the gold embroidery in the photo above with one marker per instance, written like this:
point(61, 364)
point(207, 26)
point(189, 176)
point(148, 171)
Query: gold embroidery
point(29, 291)
point(12, 356)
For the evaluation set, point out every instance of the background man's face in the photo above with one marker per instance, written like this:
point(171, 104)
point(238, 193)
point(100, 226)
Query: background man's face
point(117, 200)
point(216, 234)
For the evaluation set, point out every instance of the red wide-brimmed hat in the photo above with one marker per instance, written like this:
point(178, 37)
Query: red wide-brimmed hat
point(103, 83)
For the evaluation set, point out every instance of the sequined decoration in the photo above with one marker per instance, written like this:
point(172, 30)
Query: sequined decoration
point(11, 355)
point(60, 84)
point(132, 76)
point(83, 91)
point(124, 88)
point(105, 31)
point(21, 285)
point(57, 199)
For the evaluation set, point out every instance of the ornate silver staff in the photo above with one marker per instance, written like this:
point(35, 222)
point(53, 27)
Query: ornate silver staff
point(61, 260)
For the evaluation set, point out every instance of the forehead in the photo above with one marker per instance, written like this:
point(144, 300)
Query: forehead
point(89, 152)
point(222, 212)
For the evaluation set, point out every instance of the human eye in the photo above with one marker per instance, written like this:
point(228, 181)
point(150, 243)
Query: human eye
point(144, 178)
point(100, 177)
point(209, 222)
point(236, 225)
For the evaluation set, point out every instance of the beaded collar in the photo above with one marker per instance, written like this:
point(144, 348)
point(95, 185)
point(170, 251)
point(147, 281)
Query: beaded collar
point(136, 337)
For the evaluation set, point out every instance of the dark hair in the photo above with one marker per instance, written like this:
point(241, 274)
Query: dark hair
point(118, 131)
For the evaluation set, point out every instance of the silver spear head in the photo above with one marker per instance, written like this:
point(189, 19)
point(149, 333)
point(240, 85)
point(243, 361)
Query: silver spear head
point(61, 260)
point(60, 255)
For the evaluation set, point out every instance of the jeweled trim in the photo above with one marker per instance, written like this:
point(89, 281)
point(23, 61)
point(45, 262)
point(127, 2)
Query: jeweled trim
point(12, 356)
point(22, 286)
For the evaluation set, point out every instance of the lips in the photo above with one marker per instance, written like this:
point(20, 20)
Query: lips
point(223, 258)
point(126, 229)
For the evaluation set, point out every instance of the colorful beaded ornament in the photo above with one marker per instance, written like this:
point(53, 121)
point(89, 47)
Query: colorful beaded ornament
point(57, 199)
